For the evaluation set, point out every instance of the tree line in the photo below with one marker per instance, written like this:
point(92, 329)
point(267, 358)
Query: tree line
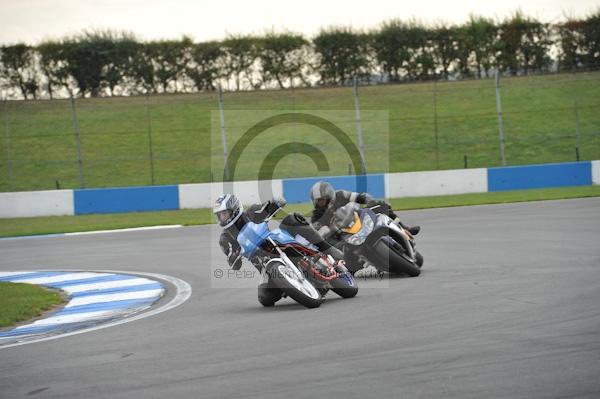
point(108, 63)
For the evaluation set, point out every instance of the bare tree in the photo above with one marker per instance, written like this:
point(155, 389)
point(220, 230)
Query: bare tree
point(19, 70)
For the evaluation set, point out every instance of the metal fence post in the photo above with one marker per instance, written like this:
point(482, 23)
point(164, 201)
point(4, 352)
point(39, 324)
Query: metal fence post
point(78, 143)
point(223, 133)
point(577, 126)
point(8, 145)
point(151, 152)
point(435, 126)
point(499, 111)
point(361, 145)
point(578, 138)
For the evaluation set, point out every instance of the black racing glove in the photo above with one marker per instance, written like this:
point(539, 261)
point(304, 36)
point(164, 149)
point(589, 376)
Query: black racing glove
point(274, 205)
point(234, 259)
point(233, 253)
point(379, 206)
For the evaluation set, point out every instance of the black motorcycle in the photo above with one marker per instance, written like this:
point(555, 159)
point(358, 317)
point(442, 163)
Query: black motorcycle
point(378, 239)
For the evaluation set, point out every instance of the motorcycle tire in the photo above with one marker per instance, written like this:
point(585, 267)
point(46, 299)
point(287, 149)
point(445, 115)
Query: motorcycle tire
point(343, 287)
point(394, 262)
point(302, 292)
point(419, 259)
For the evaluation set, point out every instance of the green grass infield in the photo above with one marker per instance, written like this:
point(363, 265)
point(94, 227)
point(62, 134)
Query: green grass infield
point(20, 302)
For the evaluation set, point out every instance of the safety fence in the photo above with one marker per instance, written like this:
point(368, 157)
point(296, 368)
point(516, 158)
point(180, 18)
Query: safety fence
point(174, 139)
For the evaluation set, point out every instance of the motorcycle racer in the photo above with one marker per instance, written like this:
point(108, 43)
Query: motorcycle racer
point(326, 201)
point(231, 216)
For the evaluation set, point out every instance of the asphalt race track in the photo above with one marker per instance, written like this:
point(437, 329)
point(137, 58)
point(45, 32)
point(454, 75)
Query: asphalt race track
point(507, 306)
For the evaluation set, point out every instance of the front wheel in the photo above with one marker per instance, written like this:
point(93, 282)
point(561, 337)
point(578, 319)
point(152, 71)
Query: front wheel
point(419, 259)
point(344, 285)
point(394, 262)
point(296, 287)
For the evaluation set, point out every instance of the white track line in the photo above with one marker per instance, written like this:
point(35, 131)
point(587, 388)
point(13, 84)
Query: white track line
point(82, 233)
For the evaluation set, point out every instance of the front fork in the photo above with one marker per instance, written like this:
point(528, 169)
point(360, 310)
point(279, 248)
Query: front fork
point(284, 258)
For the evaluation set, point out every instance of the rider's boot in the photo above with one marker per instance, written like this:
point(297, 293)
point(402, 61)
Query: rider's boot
point(414, 230)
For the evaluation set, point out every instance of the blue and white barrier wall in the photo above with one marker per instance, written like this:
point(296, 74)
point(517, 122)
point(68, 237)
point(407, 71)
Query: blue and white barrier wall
point(389, 185)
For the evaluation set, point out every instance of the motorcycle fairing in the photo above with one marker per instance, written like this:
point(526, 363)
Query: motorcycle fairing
point(253, 235)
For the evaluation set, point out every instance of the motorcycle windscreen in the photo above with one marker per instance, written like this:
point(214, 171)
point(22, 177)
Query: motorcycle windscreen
point(251, 237)
point(366, 228)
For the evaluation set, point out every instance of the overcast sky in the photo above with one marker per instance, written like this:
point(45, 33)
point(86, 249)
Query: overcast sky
point(32, 21)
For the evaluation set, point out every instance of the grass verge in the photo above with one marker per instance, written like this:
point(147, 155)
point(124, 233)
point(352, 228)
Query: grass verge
point(19, 302)
point(66, 224)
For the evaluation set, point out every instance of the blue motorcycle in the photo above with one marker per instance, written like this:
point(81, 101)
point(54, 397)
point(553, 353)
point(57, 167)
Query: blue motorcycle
point(293, 265)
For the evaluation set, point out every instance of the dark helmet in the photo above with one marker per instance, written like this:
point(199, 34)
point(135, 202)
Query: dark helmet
point(343, 217)
point(228, 210)
point(322, 191)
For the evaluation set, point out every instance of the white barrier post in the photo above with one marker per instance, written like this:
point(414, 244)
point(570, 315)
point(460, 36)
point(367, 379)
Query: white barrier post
point(595, 172)
point(37, 203)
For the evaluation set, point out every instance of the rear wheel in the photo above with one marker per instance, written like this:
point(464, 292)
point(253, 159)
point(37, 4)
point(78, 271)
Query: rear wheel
point(394, 262)
point(296, 287)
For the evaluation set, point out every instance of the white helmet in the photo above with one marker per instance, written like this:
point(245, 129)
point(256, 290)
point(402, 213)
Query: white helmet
point(322, 190)
point(228, 210)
